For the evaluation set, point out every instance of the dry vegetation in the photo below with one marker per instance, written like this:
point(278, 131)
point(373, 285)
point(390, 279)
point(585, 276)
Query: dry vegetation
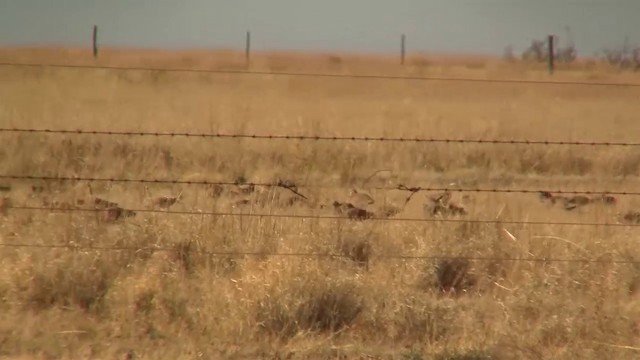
point(179, 303)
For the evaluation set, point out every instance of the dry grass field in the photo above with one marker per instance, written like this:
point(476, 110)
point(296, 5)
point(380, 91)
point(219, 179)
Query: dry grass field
point(153, 287)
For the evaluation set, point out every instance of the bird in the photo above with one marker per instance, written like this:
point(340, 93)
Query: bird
point(631, 217)
point(242, 187)
point(553, 199)
point(359, 214)
point(115, 213)
point(547, 196)
point(166, 202)
point(441, 204)
point(104, 204)
point(341, 208)
point(389, 210)
point(574, 202)
point(351, 211)
point(214, 191)
point(607, 199)
point(456, 209)
point(5, 204)
point(360, 198)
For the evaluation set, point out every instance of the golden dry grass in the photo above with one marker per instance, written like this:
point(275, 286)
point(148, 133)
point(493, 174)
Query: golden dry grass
point(181, 304)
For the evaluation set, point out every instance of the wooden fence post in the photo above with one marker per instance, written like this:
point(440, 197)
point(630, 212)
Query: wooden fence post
point(403, 48)
point(551, 54)
point(247, 50)
point(95, 41)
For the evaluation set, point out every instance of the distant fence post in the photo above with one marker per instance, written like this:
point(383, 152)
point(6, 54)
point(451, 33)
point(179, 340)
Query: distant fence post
point(551, 54)
point(95, 41)
point(247, 49)
point(403, 48)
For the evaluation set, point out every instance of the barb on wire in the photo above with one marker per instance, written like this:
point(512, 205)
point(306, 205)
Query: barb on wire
point(321, 138)
point(285, 184)
point(326, 217)
point(309, 74)
point(238, 254)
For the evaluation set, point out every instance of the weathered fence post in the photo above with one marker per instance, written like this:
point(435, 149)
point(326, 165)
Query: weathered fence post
point(95, 41)
point(247, 49)
point(551, 54)
point(403, 48)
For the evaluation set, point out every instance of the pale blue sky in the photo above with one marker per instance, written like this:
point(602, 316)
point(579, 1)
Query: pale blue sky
point(464, 26)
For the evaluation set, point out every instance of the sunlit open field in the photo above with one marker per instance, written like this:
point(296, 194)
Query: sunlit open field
point(187, 277)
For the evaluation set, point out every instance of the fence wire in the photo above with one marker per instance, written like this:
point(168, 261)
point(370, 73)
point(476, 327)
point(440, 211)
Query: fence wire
point(322, 138)
point(372, 218)
point(318, 75)
point(289, 185)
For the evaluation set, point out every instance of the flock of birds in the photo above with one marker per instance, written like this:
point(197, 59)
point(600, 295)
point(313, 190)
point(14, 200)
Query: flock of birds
point(576, 201)
point(358, 206)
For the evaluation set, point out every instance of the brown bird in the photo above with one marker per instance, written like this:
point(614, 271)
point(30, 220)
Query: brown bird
point(5, 204)
point(606, 199)
point(166, 201)
point(360, 199)
point(215, 191)
point(445, 210)
point(351, 211)
point(359, 214)
point(241, 202)
point(442, 204)
point(242, 187)
point(341, 208)
point(104, 204)
point(553, 199)
point(390, 210)
point(547, 196)
point(113, 214)
point(631, 217)
point(574, 202)
point(455, 209)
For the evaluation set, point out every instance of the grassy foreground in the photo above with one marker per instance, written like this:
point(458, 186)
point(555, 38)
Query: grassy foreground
point(180, 301)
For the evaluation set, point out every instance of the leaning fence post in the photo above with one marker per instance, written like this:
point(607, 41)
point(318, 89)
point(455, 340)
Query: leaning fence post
point(247, 49)
point(95, 41)
point(402, 48)
point(551, 54)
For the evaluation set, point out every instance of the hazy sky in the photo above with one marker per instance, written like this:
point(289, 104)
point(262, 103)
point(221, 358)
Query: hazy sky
point(467, 26)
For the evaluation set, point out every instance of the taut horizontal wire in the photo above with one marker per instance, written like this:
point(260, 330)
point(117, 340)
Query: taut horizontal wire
point(321, 138)
point(238, 254)
point(399, 187)
point(320, 75)
point(326, 217)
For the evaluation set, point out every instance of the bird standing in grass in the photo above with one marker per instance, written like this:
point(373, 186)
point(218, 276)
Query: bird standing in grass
point(352, 212)
point(166, 202)
point(113, 214)
point(443, 204)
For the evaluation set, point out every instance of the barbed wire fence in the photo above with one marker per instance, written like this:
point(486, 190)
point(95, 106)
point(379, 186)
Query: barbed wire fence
point(321, 75)
point(285, 185)
point(274, 137)
point(321, 137)
point(326, 217)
